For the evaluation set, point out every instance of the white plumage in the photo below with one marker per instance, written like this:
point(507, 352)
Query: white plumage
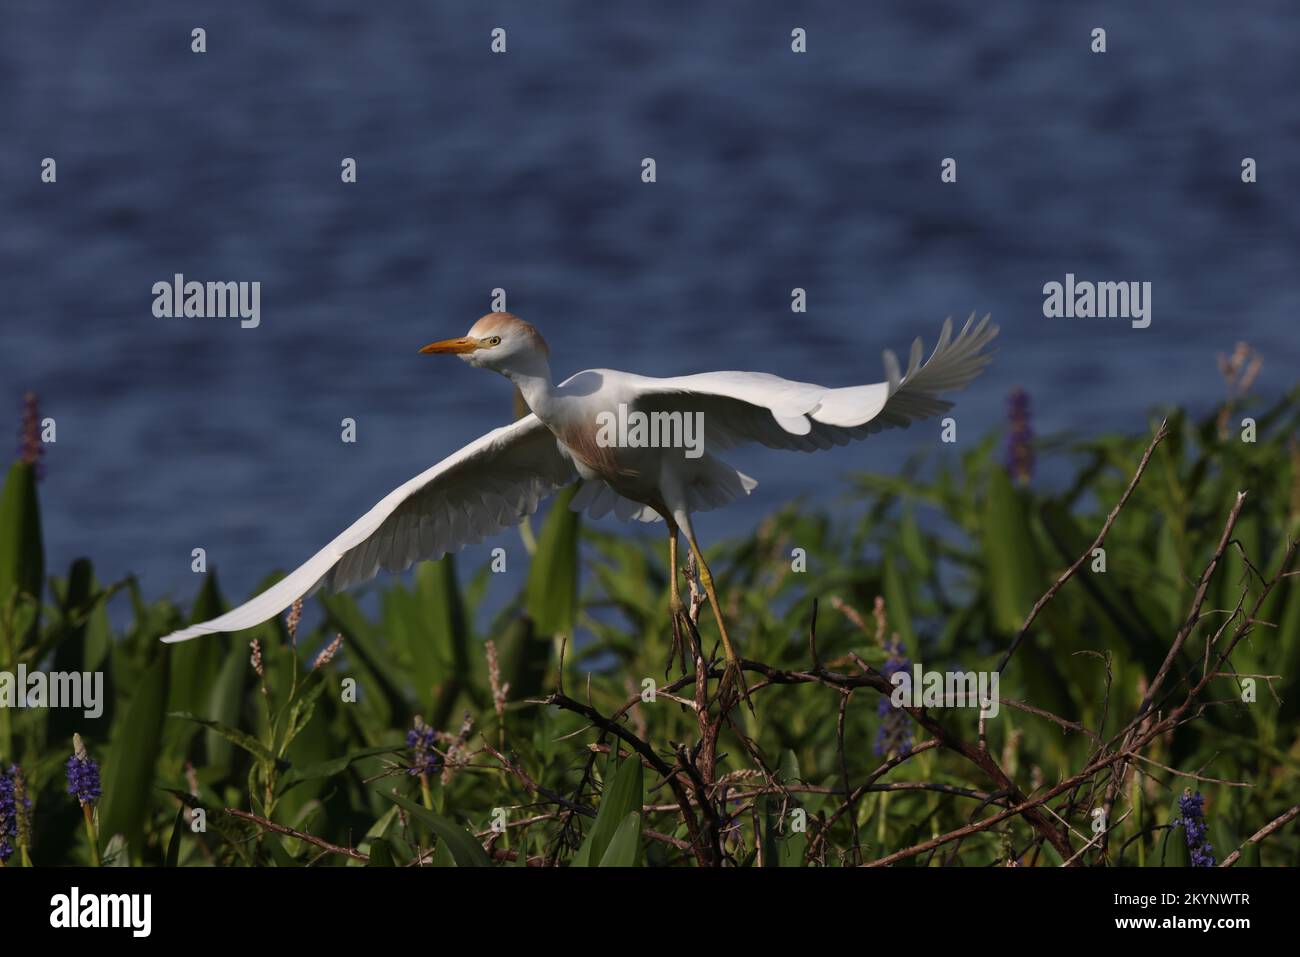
point(497, 480)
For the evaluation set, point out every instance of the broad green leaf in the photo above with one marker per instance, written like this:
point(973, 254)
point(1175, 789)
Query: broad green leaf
point(464, 847)
point(193, 666)
point(380, 828)
point(174, 845)
point(327, 769)
point(552, 587)
point(1014, 566)
point(70, 655)
point(625, 846)
point(442, 856)
point(223, 703)
point(898, 609)
point(129, 766)
point(302, 709)
point(241, 738)
point(369, 657)
point(22, 556)
point(622, 796)
point(525, 655)
point(381, 853)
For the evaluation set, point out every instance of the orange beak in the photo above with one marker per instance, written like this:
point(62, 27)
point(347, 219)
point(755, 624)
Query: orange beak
point(451, 346)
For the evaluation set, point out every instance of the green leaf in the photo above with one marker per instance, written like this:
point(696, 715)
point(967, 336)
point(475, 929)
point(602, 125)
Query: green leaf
point(441, 856)
point(898, 609)
point(913, 543)
point(232, 830)
point(623, 796)
point(327, 769)
point(22, 560)
point(192, 666)
point(117, 853)
point(1014, 566)
point(465, 849)
point(379, 829)
point(224, 700)
point(174, 845)
point(301, 711)
point(233, 735)
point(22, 556)
point(369, 657)
point(381, 854)
point(625, 846)
point(130, 766)
point(436, 635)
point(552, 589)
point(524, 658)
point(1173, 850)
point(790, 845)
point(70, 655)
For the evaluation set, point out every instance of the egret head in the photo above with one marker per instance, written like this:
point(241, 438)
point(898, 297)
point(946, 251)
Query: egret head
point(501, 342)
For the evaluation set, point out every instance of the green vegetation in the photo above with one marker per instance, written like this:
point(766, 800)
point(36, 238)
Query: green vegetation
point(553, 742)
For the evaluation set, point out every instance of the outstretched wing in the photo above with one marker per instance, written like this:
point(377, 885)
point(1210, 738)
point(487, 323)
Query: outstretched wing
point(490, 484)
point(742, 407)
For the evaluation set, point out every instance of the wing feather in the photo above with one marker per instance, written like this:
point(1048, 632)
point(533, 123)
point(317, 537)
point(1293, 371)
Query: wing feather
point(439, 511)
point(744, 407)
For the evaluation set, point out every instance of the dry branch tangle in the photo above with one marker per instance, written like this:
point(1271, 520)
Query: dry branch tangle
point(692, 775)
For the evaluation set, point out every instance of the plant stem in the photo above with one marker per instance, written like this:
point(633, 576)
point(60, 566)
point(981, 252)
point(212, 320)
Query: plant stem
point(88, 811)
point(1137, 803)
point(7, 646)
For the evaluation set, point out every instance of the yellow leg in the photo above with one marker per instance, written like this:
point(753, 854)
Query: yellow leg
point(676, 610)
point(733, 676)
point(674, 599)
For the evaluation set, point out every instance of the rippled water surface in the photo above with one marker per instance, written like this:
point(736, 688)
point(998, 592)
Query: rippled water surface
point(522, 171)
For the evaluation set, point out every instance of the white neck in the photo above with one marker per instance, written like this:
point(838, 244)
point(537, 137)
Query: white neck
point(533, 379)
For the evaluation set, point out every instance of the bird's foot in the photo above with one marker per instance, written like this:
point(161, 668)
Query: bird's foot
point(684, 636)
point(732, 687)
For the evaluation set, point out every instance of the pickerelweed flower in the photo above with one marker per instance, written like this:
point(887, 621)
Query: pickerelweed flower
point(1020, 438)
point(1192, 821)
point(15, 805)
point(425, 760)
point(83, 775)
point(420, 739)
point(894, 736)
point(83, 784)
point(23, 803)
point(30, 446)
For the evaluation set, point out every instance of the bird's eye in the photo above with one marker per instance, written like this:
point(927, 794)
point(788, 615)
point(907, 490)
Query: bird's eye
point(494, 341)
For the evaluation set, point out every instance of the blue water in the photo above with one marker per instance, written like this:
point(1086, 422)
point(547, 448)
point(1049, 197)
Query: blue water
point(522, 171)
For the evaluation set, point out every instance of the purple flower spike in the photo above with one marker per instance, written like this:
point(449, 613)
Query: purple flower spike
point(1192, 821)
point(14, 807)
point(1020, 449)
point(424, 759)
point(894, 735)
point(30, 447)
point(83, 775)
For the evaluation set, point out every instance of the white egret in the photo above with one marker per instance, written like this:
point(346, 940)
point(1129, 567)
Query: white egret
point(500, 478)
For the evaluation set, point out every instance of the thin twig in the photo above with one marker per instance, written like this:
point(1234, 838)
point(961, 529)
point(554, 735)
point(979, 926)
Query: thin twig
point(1277, 822)
point(300, 835)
